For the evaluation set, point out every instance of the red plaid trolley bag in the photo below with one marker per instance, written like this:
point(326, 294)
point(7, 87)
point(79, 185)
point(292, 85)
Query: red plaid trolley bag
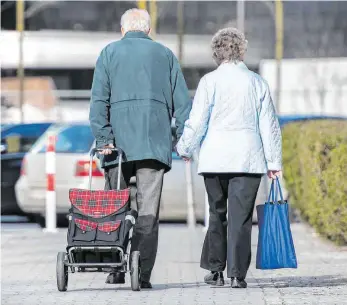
point(99, 233)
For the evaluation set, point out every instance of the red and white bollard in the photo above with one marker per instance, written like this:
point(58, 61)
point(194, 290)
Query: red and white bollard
point(51, 213)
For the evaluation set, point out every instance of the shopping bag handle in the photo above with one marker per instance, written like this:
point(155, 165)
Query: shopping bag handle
point(120, 154)
point(95, 150)
point(279, 189)
point(271, 193)
point(274, 190)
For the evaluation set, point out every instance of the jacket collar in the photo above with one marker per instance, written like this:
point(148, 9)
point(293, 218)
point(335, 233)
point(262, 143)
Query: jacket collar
point(240, 65)
point(136, 34)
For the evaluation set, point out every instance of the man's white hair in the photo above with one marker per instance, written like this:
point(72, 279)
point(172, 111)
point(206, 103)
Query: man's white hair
point(136, 20)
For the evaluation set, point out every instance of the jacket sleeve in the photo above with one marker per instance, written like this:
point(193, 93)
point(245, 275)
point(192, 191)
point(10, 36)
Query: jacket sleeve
point(182, 103)
point(196, 126)
point(270, 132)
point(100, 104)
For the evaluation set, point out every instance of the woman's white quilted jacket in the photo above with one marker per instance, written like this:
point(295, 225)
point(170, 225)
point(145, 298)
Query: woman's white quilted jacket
point(234, 121)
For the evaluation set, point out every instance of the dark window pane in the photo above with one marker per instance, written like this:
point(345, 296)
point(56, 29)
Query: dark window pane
point(27, 135)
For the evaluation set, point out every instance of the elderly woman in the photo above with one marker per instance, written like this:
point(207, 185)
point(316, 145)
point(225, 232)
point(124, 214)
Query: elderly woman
point(233, 120)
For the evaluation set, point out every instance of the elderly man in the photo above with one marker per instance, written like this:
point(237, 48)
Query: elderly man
point(138, 87)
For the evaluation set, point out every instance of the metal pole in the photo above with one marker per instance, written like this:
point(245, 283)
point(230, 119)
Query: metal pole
point(241, 15)
point(180, 29)
point(153, 13)
point(191, 221)
point(20, 70)
point(142, 5)
point(279, 50)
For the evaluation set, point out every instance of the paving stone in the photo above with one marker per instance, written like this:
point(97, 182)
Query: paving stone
point(28, 273)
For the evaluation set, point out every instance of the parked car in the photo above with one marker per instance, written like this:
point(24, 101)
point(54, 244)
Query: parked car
point(74, 142)
point(11, 160)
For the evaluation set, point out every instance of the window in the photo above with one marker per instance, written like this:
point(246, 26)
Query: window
point(70, 139)
point(26, 135)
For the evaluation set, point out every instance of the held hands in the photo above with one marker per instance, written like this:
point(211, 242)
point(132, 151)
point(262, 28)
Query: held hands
point(183, 158)
point(274, 174)
point(106, 150)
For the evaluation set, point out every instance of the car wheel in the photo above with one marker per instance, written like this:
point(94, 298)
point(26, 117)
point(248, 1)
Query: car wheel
point(31, 217)
point(62, 221)
point(40, 220)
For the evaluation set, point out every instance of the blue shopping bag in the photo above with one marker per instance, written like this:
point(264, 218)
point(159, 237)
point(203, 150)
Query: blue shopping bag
point(275, 243)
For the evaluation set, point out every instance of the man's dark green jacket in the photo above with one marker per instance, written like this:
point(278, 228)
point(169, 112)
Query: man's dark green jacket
point(138, 86)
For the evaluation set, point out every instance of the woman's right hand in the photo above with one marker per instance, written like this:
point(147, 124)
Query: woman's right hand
point(274, 174)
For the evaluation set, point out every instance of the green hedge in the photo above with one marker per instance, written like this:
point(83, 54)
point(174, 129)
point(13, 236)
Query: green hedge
point(315, 172)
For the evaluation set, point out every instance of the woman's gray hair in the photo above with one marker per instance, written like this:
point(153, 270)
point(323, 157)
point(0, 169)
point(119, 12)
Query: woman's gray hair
point(228, 44)
point(136, 20)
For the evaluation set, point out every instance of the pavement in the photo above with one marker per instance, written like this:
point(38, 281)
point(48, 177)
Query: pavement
point(29, 258)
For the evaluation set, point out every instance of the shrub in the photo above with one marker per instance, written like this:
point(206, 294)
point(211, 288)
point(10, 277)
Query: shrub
point(315, 171)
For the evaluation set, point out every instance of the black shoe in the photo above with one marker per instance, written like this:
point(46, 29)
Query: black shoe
point(214, 278)
point(238, 283)
point(146, 285)
point(116, 278)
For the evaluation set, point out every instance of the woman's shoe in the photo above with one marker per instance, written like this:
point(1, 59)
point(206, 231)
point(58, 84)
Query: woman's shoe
point(214, 278)
point(238, 283)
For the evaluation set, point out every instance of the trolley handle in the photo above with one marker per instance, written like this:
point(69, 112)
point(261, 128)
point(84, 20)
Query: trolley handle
point(92, 154)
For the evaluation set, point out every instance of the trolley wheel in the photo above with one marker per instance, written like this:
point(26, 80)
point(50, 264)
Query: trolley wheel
point(135, 270)
point(62, 272)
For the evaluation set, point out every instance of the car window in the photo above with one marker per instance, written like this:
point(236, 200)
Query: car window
point(26, 143)
point(18, 144)
point(70, 139)
point(42, 141)
point(21, 137)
